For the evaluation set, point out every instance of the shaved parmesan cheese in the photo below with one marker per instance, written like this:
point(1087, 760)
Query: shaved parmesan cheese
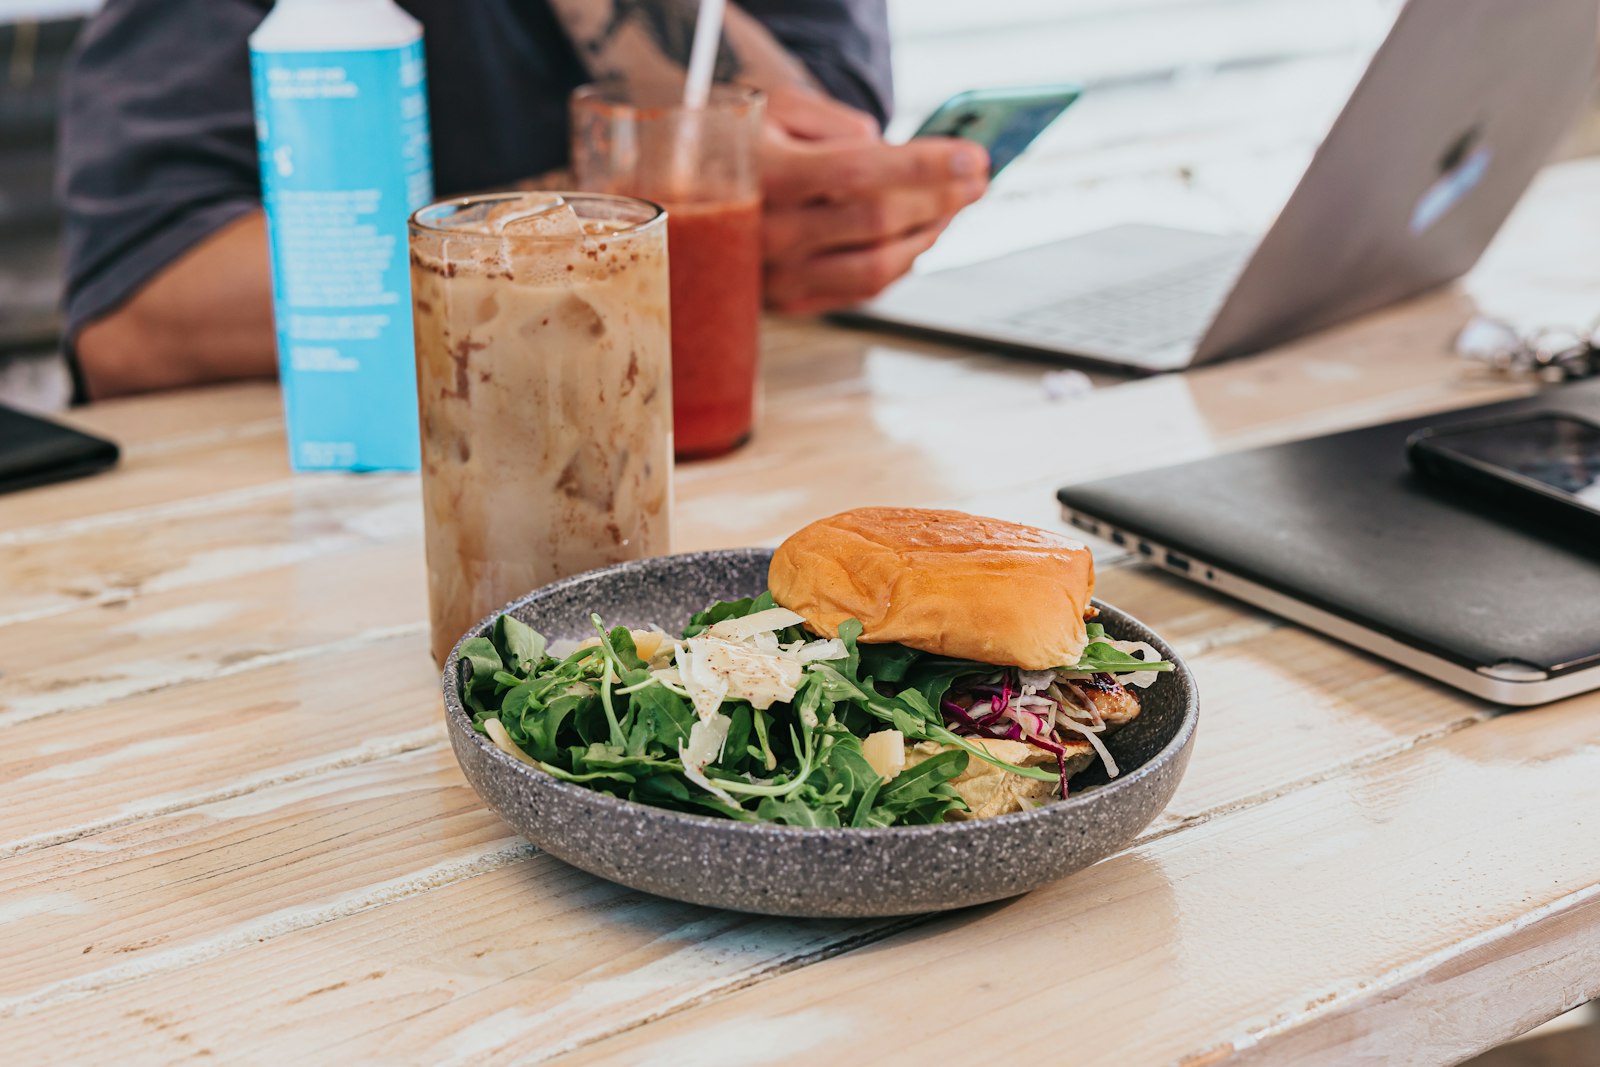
point(670, 680)
point(706, 739)
point(832, 648)
point(762, 622)
point(886, 752)
point(706, 688)
point(647, 642)
point(742, 659)
point(740, 672)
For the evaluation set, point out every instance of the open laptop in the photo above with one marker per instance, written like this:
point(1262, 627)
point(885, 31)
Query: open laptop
point(1461, 105)
point(1336, 533)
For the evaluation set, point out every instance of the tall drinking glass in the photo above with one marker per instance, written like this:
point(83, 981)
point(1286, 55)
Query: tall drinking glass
point(702, 165)
point(544, 388)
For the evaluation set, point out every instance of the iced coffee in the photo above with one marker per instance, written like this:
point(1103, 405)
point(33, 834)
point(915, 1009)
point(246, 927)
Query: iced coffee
point(544, 391)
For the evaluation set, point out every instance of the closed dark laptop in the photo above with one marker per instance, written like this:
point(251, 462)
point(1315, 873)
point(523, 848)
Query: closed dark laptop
point(34, 451)
point(1337, 532)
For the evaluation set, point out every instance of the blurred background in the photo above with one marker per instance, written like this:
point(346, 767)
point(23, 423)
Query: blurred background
point(1196, 112)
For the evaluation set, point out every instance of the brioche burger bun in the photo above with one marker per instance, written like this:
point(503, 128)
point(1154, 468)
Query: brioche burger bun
point(942, 582)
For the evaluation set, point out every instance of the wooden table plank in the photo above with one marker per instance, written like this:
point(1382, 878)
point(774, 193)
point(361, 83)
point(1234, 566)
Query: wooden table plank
point(792, 471)
point(1255, 723)
point(157, 421)
point(229, 538)
point(308, 876)
point(149, 486)
point(186, 886)
point(1418, 846)
point(289, 718)
point(99, 654)
point(77, 773)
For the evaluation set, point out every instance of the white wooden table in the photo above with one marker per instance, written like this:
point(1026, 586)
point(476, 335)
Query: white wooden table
point(231, 829)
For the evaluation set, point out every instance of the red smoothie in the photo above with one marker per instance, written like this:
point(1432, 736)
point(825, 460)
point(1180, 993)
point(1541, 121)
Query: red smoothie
point(714, 258)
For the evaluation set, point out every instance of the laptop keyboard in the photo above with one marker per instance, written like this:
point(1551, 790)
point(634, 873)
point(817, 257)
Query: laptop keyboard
point(1147, 314)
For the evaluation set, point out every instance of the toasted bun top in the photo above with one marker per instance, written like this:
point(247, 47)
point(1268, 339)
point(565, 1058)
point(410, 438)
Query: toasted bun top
point(940, 581)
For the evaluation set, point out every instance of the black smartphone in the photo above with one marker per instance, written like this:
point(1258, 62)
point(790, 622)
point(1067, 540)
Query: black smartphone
point(1004, 121)
point(1546, 466)
point(35, 451)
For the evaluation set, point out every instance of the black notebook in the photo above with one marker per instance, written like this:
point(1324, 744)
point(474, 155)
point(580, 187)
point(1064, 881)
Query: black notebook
point(35, 451)
point(1339, 534)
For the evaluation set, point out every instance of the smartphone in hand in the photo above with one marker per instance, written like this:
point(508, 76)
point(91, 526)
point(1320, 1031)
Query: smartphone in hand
point(1004, 121)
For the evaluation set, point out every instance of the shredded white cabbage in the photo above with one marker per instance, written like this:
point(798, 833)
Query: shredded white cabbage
point(1094, 739)
point(1035, 681)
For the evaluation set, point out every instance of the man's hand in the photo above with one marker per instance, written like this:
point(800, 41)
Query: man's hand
point(845, 212)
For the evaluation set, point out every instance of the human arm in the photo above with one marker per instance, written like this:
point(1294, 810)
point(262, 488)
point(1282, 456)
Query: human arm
point(168, 333)
point(167, 277)
point(845, 212)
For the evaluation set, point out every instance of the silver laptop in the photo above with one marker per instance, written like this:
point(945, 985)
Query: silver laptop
point(1460, 107)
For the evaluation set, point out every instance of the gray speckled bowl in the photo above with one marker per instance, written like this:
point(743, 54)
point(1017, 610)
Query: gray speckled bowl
point(781, 870)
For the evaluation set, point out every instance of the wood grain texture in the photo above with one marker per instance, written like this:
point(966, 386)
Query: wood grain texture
point(1244, 933)
point(466, 982)
point(223, 773)
point(77, 773)
point(208, 541)
point(150, 486)
point(102, 653)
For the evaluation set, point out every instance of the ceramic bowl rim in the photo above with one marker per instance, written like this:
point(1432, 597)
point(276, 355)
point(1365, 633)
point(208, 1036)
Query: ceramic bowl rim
point(461, 722)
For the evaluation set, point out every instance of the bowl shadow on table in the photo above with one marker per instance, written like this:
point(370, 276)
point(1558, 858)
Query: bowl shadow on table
point(1083, 915)
point(1064, 916)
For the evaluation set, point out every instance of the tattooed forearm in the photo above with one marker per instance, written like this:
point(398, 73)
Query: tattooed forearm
point(648, 42)
point(669, 26)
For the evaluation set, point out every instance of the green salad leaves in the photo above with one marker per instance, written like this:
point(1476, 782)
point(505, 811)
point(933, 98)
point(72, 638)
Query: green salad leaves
point(606, 717)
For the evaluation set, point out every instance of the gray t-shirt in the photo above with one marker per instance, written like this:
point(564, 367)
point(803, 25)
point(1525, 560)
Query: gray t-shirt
point(158, 143)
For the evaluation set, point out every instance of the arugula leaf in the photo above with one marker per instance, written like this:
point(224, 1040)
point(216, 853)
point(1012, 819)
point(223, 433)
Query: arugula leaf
point(738, 739)
point(598, 717)
point(668, 716)
point(922, 794)
point(521, 648)
point(797, 811)
point(1099, 657)
point(850, 634)
point(932, 677)
point(542, 727)
point(727, 609)
point(478, 664)
point(888, 663)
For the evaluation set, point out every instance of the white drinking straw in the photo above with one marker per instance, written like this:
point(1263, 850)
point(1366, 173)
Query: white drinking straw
point(703, 54)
